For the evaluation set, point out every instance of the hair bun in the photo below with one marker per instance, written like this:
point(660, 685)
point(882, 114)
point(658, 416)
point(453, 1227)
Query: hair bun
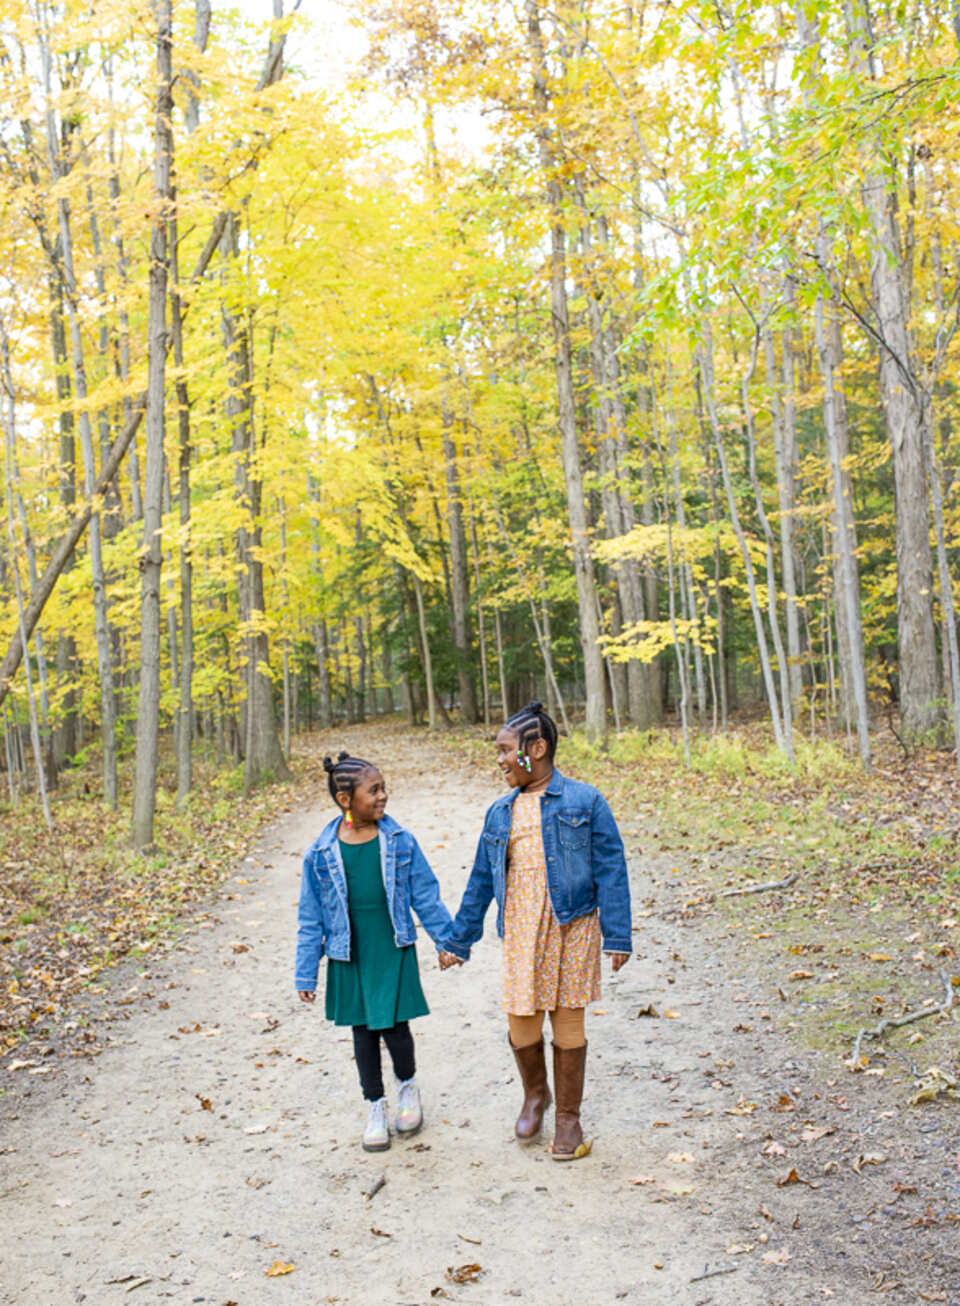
point(536, 707)
point(328, 764)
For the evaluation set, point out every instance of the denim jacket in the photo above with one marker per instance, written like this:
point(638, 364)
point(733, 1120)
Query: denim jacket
point(586, 866)
point(324, 919)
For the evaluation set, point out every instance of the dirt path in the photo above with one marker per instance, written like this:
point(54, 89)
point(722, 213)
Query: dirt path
point(218, 1132)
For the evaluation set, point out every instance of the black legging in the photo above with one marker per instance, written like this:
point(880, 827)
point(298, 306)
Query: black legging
point(366, 1049)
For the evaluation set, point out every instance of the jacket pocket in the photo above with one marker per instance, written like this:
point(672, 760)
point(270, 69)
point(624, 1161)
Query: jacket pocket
point(573, 831)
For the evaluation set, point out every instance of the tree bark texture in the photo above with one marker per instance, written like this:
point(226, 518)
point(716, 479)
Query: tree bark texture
point(587, 603)
point(151, 557)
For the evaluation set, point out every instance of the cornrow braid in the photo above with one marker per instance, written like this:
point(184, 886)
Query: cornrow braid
point(531, 723)
point(344, 774)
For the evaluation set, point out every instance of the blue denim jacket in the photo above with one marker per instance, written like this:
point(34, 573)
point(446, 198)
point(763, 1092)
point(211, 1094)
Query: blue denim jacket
point(586, 866)
point(324, 920)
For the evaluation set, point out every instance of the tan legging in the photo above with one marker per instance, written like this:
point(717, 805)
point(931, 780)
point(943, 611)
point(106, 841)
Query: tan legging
point(567, 1023)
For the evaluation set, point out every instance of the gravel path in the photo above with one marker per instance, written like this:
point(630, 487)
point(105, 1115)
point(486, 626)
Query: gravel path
point(218, 1131)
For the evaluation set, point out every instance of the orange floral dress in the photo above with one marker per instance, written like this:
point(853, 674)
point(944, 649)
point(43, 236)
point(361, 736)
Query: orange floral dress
point(545, 964)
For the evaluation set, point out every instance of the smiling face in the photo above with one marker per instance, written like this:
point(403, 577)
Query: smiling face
point(369, 798)
point(508, 745)
point(512, 769)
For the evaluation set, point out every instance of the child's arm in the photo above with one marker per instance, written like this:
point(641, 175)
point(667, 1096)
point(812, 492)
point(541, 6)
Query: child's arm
point(310, 931)
point(613, 883)
point(468, 923)
point(425, 898)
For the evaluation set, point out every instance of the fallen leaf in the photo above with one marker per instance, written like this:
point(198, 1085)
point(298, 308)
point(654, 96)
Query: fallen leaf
point(671, 1015)
point(738, 1249)
point(813, 1133)
point(649, 1010)
point(776, 1257)
point(743, 1108)
point(256, 1129)
point(205, 1103)
point(800, 974)
point(773, 1148)
point(793, 1178)
point(642, 1179)
point(868, 1158)
point(680, 1158)
point(464, 1273)
point(277, 1269)
point(879, 956)
point(380, 1233)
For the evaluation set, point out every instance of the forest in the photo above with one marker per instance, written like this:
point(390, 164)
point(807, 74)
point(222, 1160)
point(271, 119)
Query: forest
point(597, 352)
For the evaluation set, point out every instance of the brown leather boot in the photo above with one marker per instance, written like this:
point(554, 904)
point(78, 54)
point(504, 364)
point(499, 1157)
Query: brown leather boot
point(568, 1069)
point(536, 1092)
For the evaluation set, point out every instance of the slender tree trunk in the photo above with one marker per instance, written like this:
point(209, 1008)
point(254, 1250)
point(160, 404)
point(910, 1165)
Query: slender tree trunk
point(184, 734)
point(481, 623)
point(705, 360)
point(501, 669)
point(596, 724)
point(263, 755)
point(151, 558)
point(426, 659)
point(783, 415)
point(904, 406)
point(104, 662)
point(460, 611)
point(65, 734)
point(10, 425)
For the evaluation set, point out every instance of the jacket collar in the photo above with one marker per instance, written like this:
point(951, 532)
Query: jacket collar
point(328, 835)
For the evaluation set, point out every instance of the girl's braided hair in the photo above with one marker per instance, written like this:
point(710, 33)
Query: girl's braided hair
point(530, 723)
point(344, 774)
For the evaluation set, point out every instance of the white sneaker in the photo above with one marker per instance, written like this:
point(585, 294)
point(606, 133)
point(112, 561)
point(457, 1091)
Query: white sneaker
point(376, 1136)
point(409, 1111)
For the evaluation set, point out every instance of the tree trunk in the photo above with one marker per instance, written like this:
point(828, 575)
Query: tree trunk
point(460, 611)
point(921, 710)
point(263, 755)
point(151, 558)
point(783, 416)
point(596, 723)
point(104, 654)
point(705, 360)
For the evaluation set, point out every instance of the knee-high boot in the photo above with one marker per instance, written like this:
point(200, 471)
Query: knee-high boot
point(568, 1070)
point(536, 1092)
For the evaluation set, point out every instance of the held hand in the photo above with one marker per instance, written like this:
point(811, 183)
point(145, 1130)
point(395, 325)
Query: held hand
point(307, 995)
point(618, 959)
point(447, 959)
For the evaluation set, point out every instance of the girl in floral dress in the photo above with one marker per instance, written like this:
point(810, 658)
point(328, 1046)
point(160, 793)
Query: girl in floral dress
point(551, 855)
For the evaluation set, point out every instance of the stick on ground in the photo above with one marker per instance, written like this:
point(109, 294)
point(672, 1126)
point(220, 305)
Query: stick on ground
point(760, 888)
point(896, 1022)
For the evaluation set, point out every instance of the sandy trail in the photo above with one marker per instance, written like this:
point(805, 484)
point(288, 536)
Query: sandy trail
point(219, 1130)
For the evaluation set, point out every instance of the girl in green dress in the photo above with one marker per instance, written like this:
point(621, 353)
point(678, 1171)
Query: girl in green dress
point(361, 879)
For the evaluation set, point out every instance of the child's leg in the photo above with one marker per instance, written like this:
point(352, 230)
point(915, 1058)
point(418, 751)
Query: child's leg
point(525, 1030)
point(526, 1039)
point(366, 1049)
point(399, 1041)
point(569, 1063)
point(568, 1027)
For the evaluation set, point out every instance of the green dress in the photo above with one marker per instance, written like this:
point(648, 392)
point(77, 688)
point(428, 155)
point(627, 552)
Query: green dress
point(380, 984)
